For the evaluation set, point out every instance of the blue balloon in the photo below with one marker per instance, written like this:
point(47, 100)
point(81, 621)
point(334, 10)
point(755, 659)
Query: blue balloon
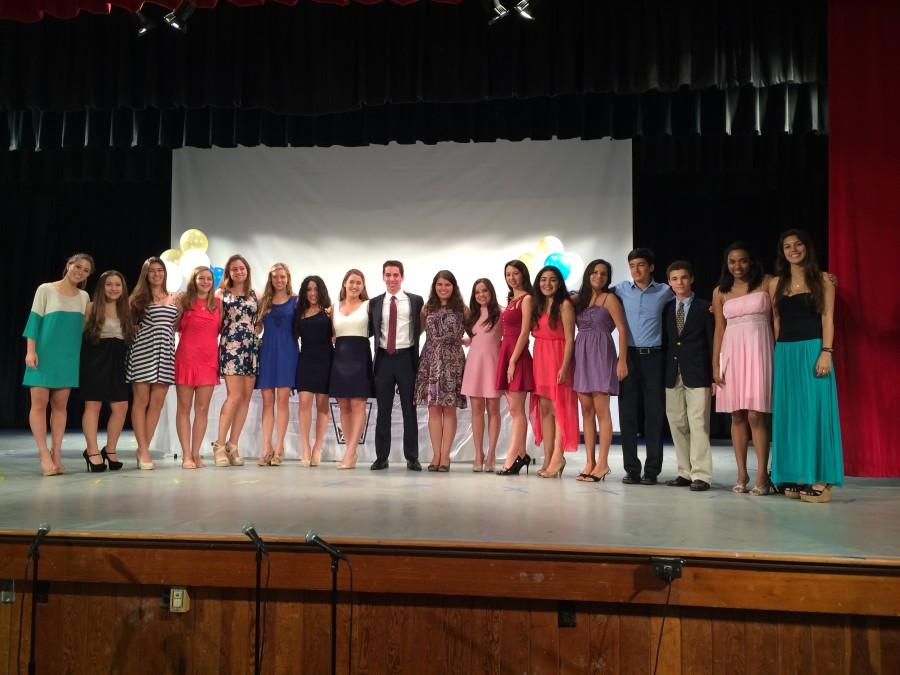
point(560, 262)
point(218, 272)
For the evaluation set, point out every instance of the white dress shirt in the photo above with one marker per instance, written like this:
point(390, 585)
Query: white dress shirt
point(404, 321)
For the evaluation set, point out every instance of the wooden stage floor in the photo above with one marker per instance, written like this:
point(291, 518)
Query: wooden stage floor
point(462, 510)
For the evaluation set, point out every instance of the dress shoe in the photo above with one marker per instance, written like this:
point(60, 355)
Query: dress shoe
point(631, 479)
point(413, 465)
point(699, 486)
point(678, 482)
point(648, 480)
point(379, 464)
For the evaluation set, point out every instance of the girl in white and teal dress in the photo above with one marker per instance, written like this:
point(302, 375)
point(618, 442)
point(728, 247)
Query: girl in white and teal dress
point(53, 348)
point(807, 456)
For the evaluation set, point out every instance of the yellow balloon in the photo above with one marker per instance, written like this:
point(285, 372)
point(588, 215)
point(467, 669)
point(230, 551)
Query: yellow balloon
point(530, 260)
point(192, 240)
point(547, 245)
point(170, 255)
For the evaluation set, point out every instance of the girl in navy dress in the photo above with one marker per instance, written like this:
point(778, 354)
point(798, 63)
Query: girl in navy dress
point(312, 326)
point(277, 360)
point(107, 333)
point(238, 356)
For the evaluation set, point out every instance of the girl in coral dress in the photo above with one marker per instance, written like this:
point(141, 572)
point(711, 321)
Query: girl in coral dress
point(742, 360)
point(485, 331)
point(196, 362)
point(554, 344)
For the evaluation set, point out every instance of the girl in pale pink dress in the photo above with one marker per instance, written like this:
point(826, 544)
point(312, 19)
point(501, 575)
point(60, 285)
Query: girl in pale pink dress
point(742, 361)
point(554, 344)
point(485, 331)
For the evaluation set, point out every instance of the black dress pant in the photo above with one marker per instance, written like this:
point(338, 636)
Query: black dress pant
point(645, 382)
point(396, 373)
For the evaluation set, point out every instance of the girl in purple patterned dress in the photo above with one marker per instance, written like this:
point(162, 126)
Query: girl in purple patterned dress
point(439, 379)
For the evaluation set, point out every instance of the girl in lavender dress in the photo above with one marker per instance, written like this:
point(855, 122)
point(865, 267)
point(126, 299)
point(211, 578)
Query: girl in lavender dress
point(598, 370)
point(439, 379)
point(484, 330)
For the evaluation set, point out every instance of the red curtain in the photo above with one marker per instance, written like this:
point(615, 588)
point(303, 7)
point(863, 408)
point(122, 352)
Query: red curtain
point(864, 228)
point(35, 10)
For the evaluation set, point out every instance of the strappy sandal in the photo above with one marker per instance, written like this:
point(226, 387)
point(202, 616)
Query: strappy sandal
point(791, 490)
point(266, 459)
point(740, 488)
point(756, 491)
point(233, 457)
point(220, 454)
point(277, 460)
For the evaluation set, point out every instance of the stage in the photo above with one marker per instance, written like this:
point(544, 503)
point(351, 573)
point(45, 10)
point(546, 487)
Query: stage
point(451, 573)
point(461, 509)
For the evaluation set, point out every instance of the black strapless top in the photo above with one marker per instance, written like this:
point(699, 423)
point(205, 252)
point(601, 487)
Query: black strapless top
point(799, 319)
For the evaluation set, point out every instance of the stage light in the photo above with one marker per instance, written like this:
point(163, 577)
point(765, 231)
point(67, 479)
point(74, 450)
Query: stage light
point(178, 18)
point(145, 23)
point(522, 9)
point(499, 11)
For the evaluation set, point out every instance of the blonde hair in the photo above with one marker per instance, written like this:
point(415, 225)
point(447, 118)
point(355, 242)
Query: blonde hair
point(192, 293)
point(265, 303)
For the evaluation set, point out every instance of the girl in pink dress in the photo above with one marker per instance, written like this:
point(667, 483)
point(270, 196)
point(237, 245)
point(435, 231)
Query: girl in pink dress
point(742, 360)
point(485, 332)
point(514, 366)
point(554, 344)
point(196, 362)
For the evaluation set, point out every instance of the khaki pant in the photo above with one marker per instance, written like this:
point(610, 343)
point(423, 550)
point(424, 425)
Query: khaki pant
point(687, 409)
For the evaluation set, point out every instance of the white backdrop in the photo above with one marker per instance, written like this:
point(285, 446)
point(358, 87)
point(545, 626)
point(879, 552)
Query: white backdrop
point(465, 207)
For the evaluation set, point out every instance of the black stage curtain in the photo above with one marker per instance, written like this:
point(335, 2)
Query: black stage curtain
point(51, 211)
point(685, 67)
point(796, 108)
point(695, 196)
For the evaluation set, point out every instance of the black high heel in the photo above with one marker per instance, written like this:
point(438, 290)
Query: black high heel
point(516, 466)
point(114, 465)
point(91, 467)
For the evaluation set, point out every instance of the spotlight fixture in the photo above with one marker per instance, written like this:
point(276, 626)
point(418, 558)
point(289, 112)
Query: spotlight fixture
point(499, 12)
point(145, 23)
point(522, 9)
point(177, 19)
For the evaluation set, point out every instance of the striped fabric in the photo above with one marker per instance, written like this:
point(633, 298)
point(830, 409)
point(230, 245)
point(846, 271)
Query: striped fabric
point(152, 356)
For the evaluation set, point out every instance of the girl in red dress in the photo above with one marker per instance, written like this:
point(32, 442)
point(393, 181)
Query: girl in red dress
point(196, 362)
point(554, 344)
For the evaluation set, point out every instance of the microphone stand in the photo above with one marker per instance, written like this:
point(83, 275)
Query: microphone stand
point(256, 647)
point(334, 589)
point(35, 554)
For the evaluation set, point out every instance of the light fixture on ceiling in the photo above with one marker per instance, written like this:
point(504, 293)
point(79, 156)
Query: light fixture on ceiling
point(144, 22)
point(498, 10)
point(522, 9)
point(178, 18)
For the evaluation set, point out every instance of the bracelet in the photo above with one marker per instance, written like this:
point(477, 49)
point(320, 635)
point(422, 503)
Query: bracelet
point(830, 350)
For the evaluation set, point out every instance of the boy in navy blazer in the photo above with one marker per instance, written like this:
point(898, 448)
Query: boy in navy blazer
point(688, 331)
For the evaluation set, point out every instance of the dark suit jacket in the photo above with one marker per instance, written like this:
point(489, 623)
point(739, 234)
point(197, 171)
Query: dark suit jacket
point(692, 350)
point(376, 305)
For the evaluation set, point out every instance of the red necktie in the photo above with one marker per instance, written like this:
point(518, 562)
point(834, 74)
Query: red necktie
point(392, 326)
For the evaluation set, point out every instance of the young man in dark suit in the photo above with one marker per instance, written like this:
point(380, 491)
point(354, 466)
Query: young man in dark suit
point(688, 334)
point(394, 319)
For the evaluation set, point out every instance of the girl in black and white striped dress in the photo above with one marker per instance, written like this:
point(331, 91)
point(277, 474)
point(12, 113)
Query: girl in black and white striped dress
point(151, 361)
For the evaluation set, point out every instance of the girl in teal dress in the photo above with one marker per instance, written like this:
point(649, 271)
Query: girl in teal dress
point(53, 351)
point(807, 457)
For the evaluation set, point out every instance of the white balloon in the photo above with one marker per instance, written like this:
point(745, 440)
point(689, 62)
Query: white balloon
point(190, 259)
point(173, 276)
point(576, 270)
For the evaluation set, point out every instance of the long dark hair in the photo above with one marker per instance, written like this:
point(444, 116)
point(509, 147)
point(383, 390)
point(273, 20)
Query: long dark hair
point(526, 279)
point(812, 274)
point(303, 303)
point(142, 295)
point(586, 293)
point(561, 296)
point(454, 303)
point(754, 278)
point(97, 317)
point(493, 308)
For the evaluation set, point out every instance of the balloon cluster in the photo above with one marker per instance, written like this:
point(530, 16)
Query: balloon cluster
point(549, 250)
point(181, 263)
